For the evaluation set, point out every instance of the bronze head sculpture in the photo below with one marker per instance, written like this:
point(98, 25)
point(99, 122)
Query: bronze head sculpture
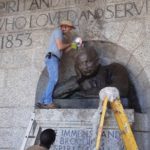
point(86, 62)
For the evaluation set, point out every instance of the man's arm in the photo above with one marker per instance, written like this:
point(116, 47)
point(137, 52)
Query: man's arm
point(61, 45)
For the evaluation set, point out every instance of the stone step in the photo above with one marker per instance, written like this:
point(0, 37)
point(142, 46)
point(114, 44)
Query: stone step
point(77, 103)
point(80, 116)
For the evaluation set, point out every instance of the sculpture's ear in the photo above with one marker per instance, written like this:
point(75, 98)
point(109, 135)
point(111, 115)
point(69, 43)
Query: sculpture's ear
point(78, 72)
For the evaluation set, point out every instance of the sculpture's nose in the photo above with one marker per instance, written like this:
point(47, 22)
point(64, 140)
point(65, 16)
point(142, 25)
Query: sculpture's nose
point(89, 65)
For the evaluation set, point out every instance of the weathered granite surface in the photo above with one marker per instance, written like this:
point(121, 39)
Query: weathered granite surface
point(120, 31)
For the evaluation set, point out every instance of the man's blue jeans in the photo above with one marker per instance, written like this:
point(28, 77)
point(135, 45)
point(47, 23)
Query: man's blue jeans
point(52, 65)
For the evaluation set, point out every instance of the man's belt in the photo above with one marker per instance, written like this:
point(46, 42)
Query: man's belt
point(49, 55)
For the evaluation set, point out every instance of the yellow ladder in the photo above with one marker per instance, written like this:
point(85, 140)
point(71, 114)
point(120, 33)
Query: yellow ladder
point(123, 124)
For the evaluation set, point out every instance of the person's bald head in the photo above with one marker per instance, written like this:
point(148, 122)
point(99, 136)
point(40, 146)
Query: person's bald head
point(87, 61)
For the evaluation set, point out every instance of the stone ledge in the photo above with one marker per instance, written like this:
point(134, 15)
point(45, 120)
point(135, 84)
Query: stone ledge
point(87, 103)
point(77, 117)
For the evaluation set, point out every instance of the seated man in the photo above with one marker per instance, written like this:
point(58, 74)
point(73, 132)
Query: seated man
point(92, 77)
point(47, 138)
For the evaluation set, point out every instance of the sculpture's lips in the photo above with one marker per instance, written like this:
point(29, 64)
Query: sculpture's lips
point(88, 72)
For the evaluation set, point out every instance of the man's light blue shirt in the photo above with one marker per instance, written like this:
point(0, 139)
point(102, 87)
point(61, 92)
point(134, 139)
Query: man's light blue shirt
point(56, 34)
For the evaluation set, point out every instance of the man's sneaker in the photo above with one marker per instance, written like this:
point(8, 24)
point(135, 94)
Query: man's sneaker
point(47, 106)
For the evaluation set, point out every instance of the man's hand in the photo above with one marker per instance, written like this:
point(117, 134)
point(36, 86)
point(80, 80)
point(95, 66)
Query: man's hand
point(74, 45)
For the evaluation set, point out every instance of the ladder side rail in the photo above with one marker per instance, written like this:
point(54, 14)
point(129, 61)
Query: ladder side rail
point(124, 126)
point(37, 129)
point(28, 131)
point(101, 123)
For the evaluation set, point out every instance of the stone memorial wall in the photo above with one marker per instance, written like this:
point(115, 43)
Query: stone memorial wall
point(78, 132)
point(120, 28)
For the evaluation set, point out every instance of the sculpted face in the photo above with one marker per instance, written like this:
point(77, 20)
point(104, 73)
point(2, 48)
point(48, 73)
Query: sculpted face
point(87, 62)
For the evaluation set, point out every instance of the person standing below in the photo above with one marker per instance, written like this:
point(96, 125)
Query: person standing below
point(47, 138)
point(55, 49)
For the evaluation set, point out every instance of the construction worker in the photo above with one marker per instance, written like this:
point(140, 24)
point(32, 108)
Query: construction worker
point(55, 49)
